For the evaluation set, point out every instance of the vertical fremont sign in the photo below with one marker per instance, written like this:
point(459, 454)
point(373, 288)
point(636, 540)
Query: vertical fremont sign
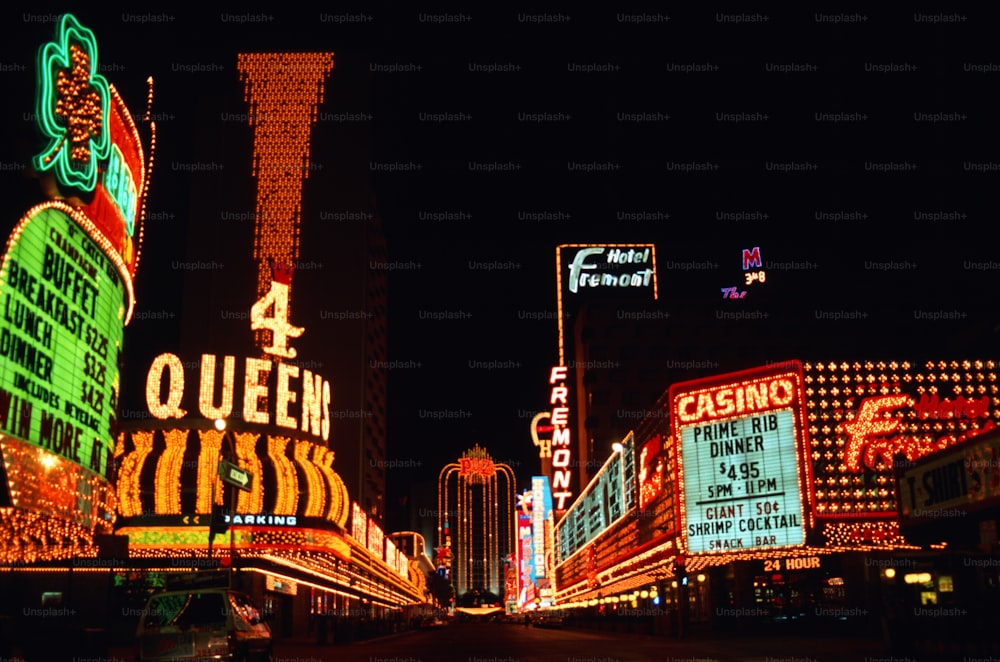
point(561, 455)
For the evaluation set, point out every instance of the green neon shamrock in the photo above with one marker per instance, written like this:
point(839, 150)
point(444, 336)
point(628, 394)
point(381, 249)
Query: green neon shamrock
point(72, 106)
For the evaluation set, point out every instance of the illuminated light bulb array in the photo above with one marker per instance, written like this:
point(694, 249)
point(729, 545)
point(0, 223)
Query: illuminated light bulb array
point(315, 492)
point(58, 506)
point(246, 457)
point(284, 91)
point(287, 498)
point(320, 486)
point(147, 172)
point(182, 542)
point(208, 470)
point(339, 500)
point(365, 574)
point(133, 216)
point(622, 565)
point(206, 389)
point(33, 538)
point(860, 415)
point(476, 467)
point(129, 484)
point(168, 473)
point(85, 117)
point(864, 535)
point(72, 105)
point(171, 363)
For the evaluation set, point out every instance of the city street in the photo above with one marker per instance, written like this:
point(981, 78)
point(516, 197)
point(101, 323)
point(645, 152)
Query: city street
point(495, 642)
point(498, 642)
point(499, 335)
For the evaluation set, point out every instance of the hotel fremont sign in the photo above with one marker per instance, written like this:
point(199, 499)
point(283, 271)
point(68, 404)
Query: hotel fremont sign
point(598, 267)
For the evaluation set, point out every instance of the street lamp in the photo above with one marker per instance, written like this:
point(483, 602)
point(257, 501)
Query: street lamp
point(216, 524)
point(234, 476)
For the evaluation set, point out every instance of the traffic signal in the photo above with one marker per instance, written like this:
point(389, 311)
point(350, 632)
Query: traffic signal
point(218, 524)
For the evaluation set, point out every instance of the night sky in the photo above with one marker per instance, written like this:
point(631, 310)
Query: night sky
point(859, 151)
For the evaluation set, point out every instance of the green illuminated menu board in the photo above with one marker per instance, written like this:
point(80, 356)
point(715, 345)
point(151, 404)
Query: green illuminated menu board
point(61, 324)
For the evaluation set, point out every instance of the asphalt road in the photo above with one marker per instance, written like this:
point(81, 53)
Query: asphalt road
point(497, 642)
point(500, 642)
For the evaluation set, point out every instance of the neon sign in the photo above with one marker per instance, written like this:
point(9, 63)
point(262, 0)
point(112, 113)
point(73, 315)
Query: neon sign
point(276, 300)
point(621, 274)
point(584, 274)
point(742, 460)
point(61, 332)
point(262, 520)
point(541, 505)
point(560, 437)
point(650, 471)
point(359, 524)
point(283, 91)
point(72, 106)
point(537, 429)
point(864, 414)
point(608, 497)
point(868, 440)
point(735, 399)
point(312, 394)
point(751, 258)
point(479, 466)
point(122, 188)
point(376, 539)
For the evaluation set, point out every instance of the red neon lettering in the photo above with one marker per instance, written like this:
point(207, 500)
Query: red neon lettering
point(561, 479)
point(736, 399)
point(866, 433)
point(560, 458)
point(937, 407)
point(756, 396)
point(751, 258)
point(781, 392)
point(560, 416)
point(561, 437)
point(559, 394)
point(558, 374)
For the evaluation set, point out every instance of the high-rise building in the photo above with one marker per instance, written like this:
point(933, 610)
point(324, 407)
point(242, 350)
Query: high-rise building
point(476, 509)
point(372, 488)
point(274, 368)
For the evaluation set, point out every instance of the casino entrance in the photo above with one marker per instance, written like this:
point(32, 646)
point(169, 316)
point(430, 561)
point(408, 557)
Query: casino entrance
point(820, 593)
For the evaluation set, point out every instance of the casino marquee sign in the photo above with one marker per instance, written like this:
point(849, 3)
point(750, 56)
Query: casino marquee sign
point(742, 468)
point(66, 293)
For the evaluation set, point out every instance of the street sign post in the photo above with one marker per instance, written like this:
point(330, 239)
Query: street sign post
point(232, 474)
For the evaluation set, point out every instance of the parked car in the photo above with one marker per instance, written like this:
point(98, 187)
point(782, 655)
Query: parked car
point(202, 623)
